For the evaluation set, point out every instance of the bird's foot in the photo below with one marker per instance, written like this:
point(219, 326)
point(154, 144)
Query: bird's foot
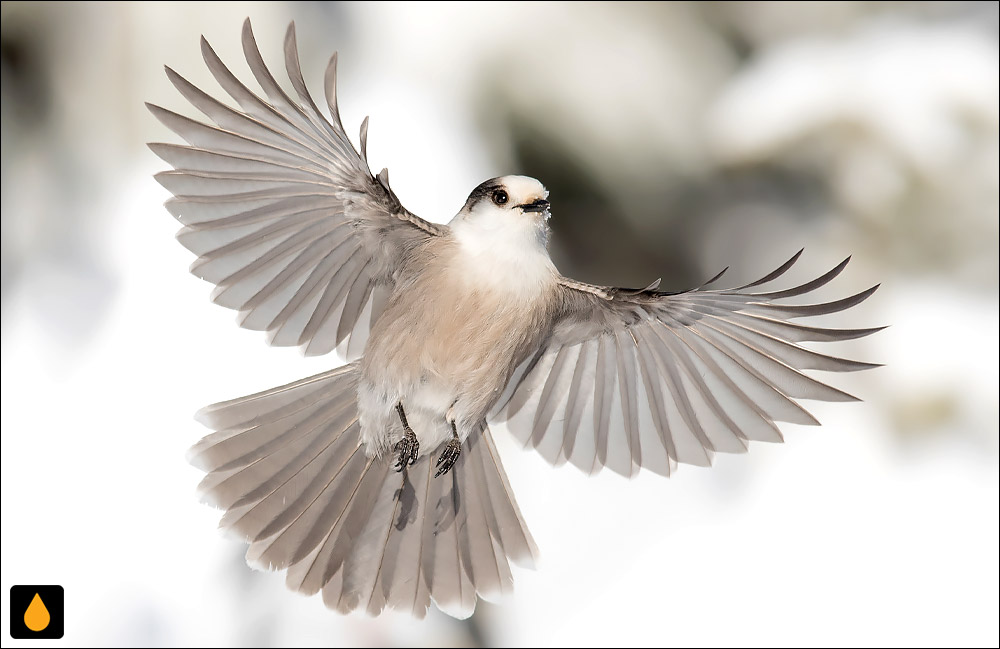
point(408, 449)
point(449, 456)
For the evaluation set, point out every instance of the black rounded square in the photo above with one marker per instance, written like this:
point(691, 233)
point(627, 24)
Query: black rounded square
point(36, 612)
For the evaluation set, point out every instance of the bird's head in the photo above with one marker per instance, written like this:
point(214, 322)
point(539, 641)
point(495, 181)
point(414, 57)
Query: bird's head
point(513, 206)
point(503, 232)
point(508, 197)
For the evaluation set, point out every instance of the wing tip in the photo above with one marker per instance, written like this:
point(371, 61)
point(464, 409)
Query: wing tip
point(157, 148)
point(872, 330)
point(207, 51)
point(204, 417)
point(860, 366)
point(865, 294)
point(717, 277)
point(364, 140)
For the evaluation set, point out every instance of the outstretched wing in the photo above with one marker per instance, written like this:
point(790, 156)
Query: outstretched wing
point(284, 214)
point(641, 378)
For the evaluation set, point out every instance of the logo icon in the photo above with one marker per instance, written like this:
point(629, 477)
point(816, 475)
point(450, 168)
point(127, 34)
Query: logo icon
point(36, 612)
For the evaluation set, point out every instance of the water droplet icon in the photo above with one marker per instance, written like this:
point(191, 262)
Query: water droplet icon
point(37, 616)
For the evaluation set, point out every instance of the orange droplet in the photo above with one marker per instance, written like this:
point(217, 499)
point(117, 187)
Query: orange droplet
point(37, 616)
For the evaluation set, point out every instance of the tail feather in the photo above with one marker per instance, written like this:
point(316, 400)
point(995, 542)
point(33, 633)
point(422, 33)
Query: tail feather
point(511, 532)
point(403, 585)
point(363, 566)
point(275, 466)
point(288, 466)
point(451, 588)
point(250, 427)
point(478, 552)
point(268, 402)
point(287, 515)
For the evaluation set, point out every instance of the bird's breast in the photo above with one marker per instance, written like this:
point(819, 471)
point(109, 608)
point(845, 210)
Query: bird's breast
point(455, 331)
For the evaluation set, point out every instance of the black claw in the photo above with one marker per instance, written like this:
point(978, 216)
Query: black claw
point(449, 456)
point(408, 449)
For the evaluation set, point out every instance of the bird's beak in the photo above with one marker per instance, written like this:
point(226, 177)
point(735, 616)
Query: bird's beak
point(540, 205)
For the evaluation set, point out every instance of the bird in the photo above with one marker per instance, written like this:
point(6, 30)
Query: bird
point(378, 482)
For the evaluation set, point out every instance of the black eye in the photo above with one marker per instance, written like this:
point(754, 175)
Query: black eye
point(499, 197)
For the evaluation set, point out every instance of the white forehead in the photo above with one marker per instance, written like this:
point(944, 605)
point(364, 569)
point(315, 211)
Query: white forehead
point(522, 188)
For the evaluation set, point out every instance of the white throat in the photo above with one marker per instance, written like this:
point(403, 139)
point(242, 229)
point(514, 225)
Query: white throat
point(504, 251)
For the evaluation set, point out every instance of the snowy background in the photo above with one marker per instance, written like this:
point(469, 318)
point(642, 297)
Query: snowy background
point(675, 139)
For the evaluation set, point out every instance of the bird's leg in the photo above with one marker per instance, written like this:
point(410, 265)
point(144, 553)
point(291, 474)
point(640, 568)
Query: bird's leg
point(450, 453)
point(408, 447)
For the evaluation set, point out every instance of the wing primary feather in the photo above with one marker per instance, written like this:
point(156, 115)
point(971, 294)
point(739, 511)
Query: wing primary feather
point(552, 393)
point(205, 216)
point(329, 244)
point(654, 394)
point(520, 373)
point(788, 353)
point(822, 280)
point(675, 345)
point(294, 69)
point(330, 86)
point(300, 239)
point(264, 310)
point(333, 296)
point(279, 96)
point(701, 287)
point(775, 274)
point(364, 139)
point(231, 120)
point(260, 170)
point(714, 279)
point(574, 409)
point(249, 101)
point(788, 380)
point(319, 277)
point(603, 385)
point(808, 310)
point(624, 345)
point(215, 242)
point(535, 372)
point(790, 410)
point(355, 301)
point(680, 398)
point(264, 77)
point(224, 141)
point(794, 332)
point(190, 158)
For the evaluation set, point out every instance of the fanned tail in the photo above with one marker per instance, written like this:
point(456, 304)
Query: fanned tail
point(288, 467)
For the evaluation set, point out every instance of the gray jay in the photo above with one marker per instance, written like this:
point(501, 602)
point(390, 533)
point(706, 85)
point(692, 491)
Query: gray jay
point(378, 482)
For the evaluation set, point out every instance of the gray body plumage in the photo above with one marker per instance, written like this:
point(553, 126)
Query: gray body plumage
point(445, 343)
point(468, 323)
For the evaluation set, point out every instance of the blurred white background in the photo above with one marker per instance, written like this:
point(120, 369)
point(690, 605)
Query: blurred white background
point(676, 139)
